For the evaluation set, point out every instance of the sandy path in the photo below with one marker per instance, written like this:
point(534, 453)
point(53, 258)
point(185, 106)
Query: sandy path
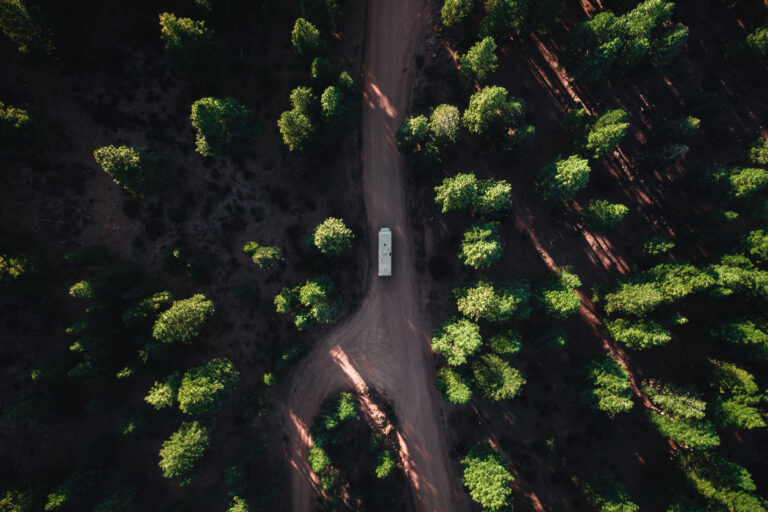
point(385, 344)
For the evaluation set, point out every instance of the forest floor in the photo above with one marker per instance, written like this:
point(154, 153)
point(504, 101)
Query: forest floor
point(385, 344)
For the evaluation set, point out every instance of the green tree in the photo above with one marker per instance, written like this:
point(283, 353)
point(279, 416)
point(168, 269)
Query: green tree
point(77, 485)
point(305, 40)
point(296, 129)
point(492, 198)
point(658, 245)
point(758, 152)
point(609, 386)
point(492, 109)
point(558, 295)
point(742, 182)
point(505, 344)
point(14, 270)
point(146, 309)
point(188, 43)
point(457, 192)
point(224, 127)
point(16, 501)
point(318, 459)
point(518, 17)
point(138, 171)
point(605, 134)
point(563, 178)
point(163, 394)
point(182, 450)
point(638, 334)
point(238, 505)
point(264, 256)
point(481, 248)
point(757, 42)
point(484, 301)
point(479, 62)
point(445, 125)
point(605, 495)
point(683, 416)
point(756, 245)
point(325, 13)
point(456, 340)
point(496, 378)
point(454, 387)
point(303, 100)
point(454, 11)
point(600, 214)
point(15, 125)
point(412, 133)
point(333, 107)
point(119, 500)
point(737, 399)
point(332, 236)
point(386, 461)
point(183, 320)
point(310, 303)
point(205, 387)
point(322, 73)
point(486, 475)
point(21, 21)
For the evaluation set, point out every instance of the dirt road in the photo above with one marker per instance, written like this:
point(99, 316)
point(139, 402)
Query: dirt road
point(385, 345)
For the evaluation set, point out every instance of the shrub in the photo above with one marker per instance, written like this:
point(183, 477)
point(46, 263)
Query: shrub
point(15, 125)
point(478, 63)
point(457, 192)
point(454, 11)
point(480, 247)
point(445, 125)
point(412, 133)
point(21, 21)
point(492, 109)
point(184, 448)
point(639, 334)
point(609, 386)
point(684, 416)
point(563, 178)
point(332, 236)
point(456, 340)
point(310, 303)
point(205, 387)
point(183, 320)
point(188, 43)
point(305, 40)
point(454, 387)
point(605, 495)
point(487, 477)
point(483, 301)
point(496, 378)
point(558, 296)
point(600, 214)
point(224, 127)
point(138, 171)
point(264, 256)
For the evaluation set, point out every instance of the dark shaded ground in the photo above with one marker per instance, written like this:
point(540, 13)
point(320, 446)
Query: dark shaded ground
point(664, 198)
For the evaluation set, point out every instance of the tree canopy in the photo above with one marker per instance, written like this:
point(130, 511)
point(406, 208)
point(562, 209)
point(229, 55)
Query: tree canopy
point(486, 475)
point(138, 171)
point(224, 127)
point(184, 320)
point(456, 340)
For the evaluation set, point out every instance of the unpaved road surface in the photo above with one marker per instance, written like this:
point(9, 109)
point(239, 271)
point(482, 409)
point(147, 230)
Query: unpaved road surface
point(385, 345)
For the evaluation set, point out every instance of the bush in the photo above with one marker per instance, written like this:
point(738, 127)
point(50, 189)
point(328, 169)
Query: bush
point(600, 214)
point(454, 387)
point(640, 334)
point(487, 477)
point(205, 387)
point(605, 495)
point(188, 43)
point(456, 340)
point(478, 63)
point(138, 171)
point(264, 256)
point(481, 248)
point(332, 236)
point(483, 301)
point(183, 449)
point(15, 125)
point(454, 11)
point(563, 178)
point(21, 21)
point(224, 127)
point(558, 296)
point(444, 125)
point(684, 416)
point(310, 303)
point(496, 378)
point(609, 386)
point(183, 320)
point(457, 192)
point(412, 133)
point(305, 40)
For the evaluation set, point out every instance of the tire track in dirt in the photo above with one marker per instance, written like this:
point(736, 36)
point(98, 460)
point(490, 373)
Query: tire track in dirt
point(385, 344)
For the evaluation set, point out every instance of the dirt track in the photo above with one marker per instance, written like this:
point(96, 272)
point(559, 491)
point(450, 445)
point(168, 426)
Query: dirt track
point(385, 344)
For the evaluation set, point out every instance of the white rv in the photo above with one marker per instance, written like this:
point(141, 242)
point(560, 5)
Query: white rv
point(385, 252)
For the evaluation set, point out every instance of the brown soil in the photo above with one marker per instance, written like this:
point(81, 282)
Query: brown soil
point(384, 345)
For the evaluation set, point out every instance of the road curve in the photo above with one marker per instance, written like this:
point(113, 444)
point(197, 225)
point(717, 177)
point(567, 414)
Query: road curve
point(385, 345)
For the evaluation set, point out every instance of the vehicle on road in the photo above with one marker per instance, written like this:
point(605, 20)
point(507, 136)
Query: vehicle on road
point(385, 252)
